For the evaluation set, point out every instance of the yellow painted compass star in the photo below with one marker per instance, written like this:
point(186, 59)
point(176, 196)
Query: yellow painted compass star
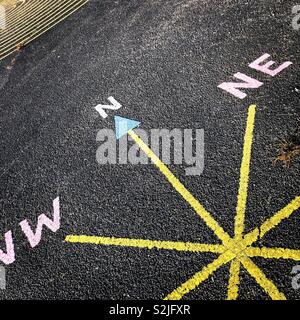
point(237, 250)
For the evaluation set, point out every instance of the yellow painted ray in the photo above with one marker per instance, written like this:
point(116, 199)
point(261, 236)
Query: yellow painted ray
point(233, 285)
point(236, 251)
point(200, 276)
point(244, 175)
point(234, 280)
point(272, 222)
point(261, 279)
point(273, 253)
point(181, 189)
point(148, 244)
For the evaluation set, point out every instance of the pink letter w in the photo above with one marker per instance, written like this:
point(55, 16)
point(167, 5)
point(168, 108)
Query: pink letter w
point(35, 238)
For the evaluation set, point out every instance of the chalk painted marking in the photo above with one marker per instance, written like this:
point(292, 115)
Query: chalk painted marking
point(115, 105)
point(34, 238)
point(271, 223)
point(237, 250)
point(273, 253)
point(244, 175)
point(9, 256)
point(241, 203)
point(180, 188)
point(123, 125)
point(234, 280)
point(251, 83)
point(199, 277)
point(265, 68)
point(147, 244)
point(233, 87)
point(262, 280)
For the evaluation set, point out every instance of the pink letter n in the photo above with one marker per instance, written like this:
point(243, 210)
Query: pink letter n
point(233, 87)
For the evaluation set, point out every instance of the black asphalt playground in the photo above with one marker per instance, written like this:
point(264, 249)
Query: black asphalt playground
point(163, 61)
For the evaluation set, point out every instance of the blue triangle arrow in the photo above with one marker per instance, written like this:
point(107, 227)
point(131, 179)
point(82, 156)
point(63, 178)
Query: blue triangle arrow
point(123, 125)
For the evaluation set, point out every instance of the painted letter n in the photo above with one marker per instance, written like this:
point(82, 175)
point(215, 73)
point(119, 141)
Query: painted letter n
point(233, 87)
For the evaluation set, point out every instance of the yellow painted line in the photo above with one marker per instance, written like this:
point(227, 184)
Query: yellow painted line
point(261, 279)
point(279, 216)
point(201, 276)
point(236, 250)
point(251, 237)
point(149, 244)
point(273, 253)
point(274, 220)
point(234, 280)
point(244, 174)
point(180, 188)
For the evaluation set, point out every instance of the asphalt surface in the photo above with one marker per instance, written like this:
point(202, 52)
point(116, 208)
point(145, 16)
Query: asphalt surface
point(163, 60)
